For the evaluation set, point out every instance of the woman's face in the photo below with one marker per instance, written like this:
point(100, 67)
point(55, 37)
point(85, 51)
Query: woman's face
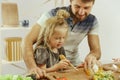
point(81, 10)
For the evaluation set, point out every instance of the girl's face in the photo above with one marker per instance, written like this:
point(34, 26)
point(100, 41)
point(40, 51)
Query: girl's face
point(58, 37)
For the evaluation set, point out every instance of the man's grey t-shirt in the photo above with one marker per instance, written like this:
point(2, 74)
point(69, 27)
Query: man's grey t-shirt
point(76, 33)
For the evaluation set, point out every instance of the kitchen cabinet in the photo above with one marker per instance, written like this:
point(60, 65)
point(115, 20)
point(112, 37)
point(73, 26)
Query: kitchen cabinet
point(12, 67)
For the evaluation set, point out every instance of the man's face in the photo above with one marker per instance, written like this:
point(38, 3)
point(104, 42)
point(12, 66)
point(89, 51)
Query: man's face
point(81, 10)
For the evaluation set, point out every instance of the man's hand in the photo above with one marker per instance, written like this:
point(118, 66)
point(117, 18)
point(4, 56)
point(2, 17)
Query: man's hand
point(90, 61)
point(40, 73)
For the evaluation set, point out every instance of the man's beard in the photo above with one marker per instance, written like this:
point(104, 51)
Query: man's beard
point(79, 18)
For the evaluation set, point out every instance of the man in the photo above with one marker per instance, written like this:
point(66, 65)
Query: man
point(81, 23)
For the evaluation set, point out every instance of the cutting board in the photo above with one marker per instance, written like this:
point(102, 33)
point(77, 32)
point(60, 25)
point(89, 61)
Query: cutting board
point(9, 14)
point(71, 74)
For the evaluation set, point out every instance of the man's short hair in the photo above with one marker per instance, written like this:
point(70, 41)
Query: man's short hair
point(88, 1)
point(85, 1)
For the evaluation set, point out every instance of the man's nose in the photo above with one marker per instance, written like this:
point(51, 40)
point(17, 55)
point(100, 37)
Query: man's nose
point(81, 11)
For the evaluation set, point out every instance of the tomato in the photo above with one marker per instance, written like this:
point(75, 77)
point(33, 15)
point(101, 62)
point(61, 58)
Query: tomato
point(62, 78)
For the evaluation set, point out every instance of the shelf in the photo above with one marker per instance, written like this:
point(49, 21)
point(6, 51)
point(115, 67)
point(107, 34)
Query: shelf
point(11, 28)
point(15, 64)
point(11, 62)
point(17, 67)
point(11, 67)
point(6, 32)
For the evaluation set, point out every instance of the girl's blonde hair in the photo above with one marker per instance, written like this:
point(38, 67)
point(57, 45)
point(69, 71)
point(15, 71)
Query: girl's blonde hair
point(50, 25)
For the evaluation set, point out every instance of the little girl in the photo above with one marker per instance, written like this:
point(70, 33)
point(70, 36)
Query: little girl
point(49, 44)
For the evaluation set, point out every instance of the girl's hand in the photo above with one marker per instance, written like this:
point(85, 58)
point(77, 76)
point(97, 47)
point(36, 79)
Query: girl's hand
point(63, 64)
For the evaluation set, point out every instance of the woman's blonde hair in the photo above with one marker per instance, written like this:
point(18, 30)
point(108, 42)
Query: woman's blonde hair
point(50, 25)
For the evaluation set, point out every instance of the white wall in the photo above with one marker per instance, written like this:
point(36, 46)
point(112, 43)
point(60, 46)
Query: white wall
point(107, 12)
point(32, 10)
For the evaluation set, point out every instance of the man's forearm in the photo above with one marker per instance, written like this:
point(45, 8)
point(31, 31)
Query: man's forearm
point(28, 54)
point(29, 40)
point(29, 60)
point(96, 53)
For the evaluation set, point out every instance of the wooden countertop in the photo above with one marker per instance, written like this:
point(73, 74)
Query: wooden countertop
point(76, 75)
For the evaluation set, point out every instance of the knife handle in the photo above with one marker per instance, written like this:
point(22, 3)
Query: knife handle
point(33, 76)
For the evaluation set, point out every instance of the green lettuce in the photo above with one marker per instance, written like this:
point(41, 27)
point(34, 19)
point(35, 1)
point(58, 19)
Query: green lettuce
point(14, 77)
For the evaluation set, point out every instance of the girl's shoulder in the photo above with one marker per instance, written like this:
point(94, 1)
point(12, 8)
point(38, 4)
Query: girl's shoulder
point(62, 50)
point(40, 49)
